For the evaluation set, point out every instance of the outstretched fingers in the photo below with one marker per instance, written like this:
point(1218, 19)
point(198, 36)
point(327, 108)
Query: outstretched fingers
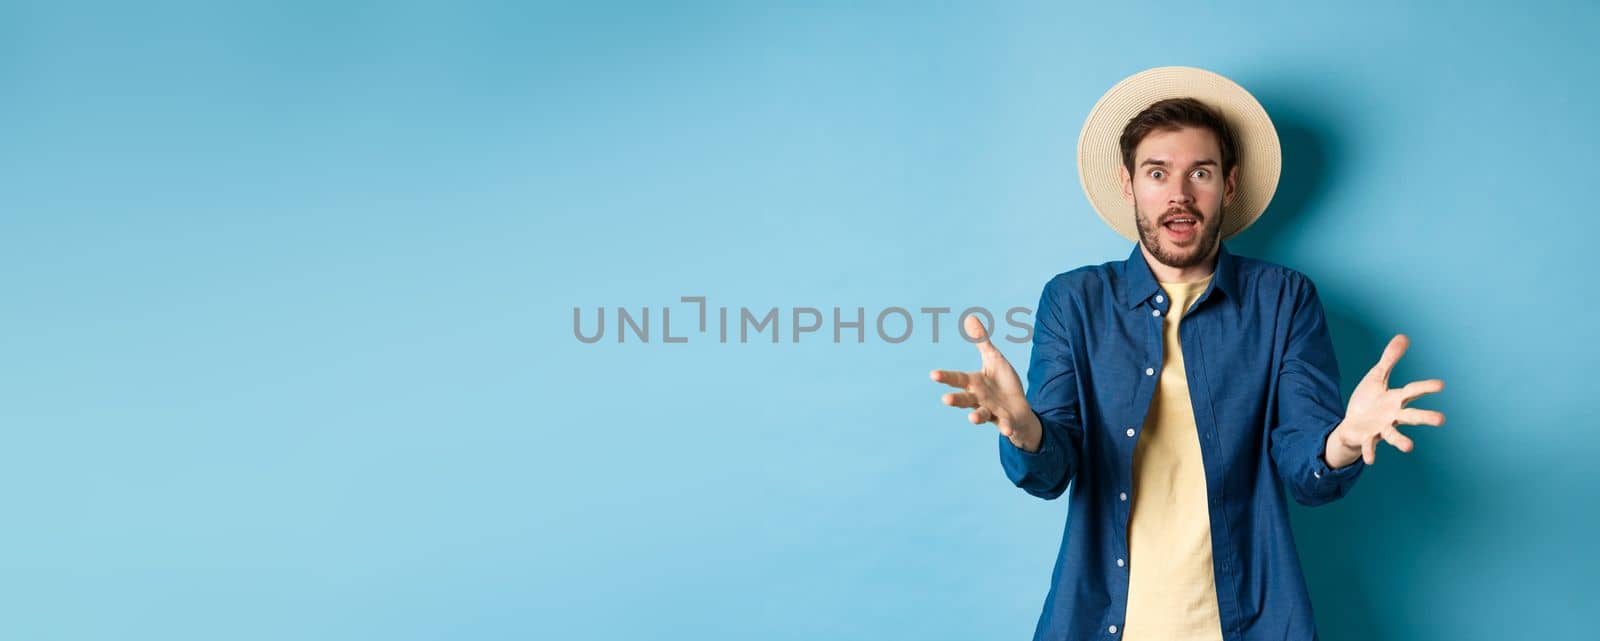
point(1400, 441)
point(1417, 388)
point(979, 335)
point(1391, 355)
point(951, 377)
point(1415, 416)
point(971, 384)
point(960, 399)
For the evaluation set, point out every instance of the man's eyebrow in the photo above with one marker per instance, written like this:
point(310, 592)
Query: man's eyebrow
point(1162, 163)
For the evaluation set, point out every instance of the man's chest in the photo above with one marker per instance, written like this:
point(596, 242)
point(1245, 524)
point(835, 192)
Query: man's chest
point(1227, 361)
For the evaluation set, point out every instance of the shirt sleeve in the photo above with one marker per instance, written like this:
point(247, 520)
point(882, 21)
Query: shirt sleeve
point(1309, 407)
point(1053, 395)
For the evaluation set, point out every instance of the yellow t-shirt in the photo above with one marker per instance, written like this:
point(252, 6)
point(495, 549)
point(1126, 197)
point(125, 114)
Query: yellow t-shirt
point(1172, 592)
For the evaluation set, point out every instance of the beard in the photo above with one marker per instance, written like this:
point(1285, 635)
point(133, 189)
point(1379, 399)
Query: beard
point(1177, 257)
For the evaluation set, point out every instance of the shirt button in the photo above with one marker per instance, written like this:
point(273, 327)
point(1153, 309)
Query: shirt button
point(1123, 496)
point(1130, 432)
point(1113, 629)
point(1121, 563)
point(1316, 473)
point(1155, 312)
point(1159, 298)
point(1149, 371)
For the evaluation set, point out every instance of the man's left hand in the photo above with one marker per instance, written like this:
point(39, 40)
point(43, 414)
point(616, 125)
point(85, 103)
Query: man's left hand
point(1375, 410)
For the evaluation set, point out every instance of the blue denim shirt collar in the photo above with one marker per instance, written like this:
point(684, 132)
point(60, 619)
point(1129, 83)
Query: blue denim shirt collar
point(1139, 283)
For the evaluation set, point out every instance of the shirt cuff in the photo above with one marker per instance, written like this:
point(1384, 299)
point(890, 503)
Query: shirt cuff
point(1319, 465)
point(1013, 450)
point(1033, 469)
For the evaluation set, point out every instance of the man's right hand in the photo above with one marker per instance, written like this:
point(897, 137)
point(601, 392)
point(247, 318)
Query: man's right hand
point(994, 393)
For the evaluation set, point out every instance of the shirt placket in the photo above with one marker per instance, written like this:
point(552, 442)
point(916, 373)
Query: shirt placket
point(1153, 314)
point(1194, 356)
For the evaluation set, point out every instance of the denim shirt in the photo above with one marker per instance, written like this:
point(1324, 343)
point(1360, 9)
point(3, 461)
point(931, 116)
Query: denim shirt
point(1264, 386)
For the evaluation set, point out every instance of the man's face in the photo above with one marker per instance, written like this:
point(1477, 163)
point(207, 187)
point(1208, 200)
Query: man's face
point(1178, 193)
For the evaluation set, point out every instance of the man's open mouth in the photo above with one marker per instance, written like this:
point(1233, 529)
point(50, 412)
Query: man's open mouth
point(1180, 224)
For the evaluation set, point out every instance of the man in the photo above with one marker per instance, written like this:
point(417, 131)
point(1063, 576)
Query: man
point(1178, 391)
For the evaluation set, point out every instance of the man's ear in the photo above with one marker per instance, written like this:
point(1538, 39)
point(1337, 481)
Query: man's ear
point(1127, 185)
point(1231, 187)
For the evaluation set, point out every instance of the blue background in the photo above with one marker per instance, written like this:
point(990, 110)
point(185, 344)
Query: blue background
point(288, 290)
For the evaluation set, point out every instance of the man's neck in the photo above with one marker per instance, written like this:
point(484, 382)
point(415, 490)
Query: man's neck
point(1168, 274)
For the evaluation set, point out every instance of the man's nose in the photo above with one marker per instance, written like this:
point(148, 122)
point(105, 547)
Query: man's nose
point(1180, 196)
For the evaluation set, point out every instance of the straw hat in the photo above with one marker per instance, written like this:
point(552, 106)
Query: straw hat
point(1260, 159)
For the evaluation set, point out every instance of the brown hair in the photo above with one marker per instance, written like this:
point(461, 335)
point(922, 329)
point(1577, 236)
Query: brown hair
point(1173, 114)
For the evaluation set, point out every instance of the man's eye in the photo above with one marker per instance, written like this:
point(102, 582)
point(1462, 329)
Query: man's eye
point(1157, 174)
point(1201, 173)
